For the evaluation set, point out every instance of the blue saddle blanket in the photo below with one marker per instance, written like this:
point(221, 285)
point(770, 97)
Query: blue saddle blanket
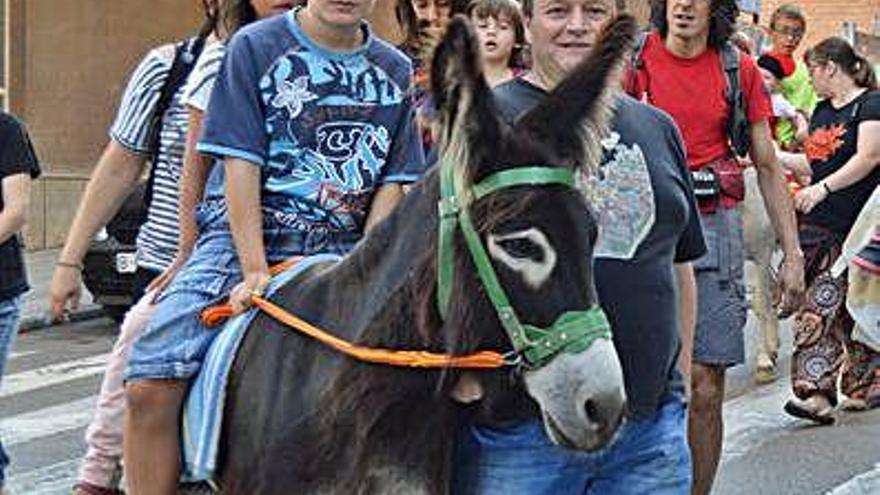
point(203, 411)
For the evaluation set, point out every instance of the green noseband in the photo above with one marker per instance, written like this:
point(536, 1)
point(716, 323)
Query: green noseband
point(573, 331)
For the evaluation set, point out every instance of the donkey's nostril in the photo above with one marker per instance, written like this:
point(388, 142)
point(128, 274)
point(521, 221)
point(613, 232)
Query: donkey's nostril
point(592, 411)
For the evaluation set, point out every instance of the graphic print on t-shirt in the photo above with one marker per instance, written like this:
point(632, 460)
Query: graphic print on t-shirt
point(824, 142)
point(622, 196)
point(328, 142)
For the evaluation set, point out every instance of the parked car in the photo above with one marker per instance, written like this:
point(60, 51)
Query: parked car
point(110, 262)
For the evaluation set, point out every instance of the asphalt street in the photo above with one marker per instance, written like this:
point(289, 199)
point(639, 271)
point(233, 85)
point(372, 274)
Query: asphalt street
point(51, 386)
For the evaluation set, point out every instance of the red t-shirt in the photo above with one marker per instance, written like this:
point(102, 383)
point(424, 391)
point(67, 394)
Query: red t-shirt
point(692, 91)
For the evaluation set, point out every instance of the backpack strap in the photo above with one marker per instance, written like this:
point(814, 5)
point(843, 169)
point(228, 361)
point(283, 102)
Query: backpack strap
point(186, 53)
point(738, 127)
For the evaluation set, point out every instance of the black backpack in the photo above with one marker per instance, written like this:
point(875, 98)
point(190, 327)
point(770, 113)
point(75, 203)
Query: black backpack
point(186, 53)
point(738, 125)
point(126, 223)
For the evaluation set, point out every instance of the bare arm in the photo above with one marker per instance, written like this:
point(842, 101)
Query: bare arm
point(193, 176)
point(781, 211)
point(862, 163)
point(687, 311)
point(16, 199)
point(114, 177)
point(245, 221)
point(385, 199)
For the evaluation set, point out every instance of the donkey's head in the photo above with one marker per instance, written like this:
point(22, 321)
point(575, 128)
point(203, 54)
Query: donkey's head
point(536, 229)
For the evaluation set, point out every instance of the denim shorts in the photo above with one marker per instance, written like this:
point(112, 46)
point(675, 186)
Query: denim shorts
point(175, 342)
point(649, 455)
point(721, 295)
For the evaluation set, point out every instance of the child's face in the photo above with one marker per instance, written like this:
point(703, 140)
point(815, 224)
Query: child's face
point(346, 15)
point(786, 34)
point(770, 80)
point(497, 37)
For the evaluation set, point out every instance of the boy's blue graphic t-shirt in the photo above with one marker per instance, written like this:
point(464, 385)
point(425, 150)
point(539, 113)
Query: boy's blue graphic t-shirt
point(325, 127)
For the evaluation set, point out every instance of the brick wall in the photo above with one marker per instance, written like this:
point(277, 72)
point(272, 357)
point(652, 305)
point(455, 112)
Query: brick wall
point(826, 17)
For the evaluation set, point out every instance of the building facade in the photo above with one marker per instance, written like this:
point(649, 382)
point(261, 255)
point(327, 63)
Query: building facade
point(65, 64)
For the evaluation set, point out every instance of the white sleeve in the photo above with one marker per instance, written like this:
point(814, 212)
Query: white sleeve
point(132, 125)
point(198, 88)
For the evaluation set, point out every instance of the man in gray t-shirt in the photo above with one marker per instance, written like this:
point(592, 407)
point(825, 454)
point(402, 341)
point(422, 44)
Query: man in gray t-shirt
point(649, 232)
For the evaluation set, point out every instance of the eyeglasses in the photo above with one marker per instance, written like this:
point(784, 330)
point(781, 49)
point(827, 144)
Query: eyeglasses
point(794, 34)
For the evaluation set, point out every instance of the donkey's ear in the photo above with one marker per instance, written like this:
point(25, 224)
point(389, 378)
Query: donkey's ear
point(461, 95)
point(575, 115)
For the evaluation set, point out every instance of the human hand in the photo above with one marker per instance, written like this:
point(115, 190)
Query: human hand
point(253, 284)
point(64, 289)
point(790, 285)
point(807, 198)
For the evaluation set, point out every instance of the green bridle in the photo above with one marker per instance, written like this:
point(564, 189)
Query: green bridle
point(573, 331)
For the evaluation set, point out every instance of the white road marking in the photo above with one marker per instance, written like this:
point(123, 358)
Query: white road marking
point(756, 418)
point(33, 425)
point(20, 354)
point(53, 374)
point(863, 484)
point(55, 479)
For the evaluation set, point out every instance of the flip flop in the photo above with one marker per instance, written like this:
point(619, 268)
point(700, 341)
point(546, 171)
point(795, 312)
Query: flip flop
point(797, 410)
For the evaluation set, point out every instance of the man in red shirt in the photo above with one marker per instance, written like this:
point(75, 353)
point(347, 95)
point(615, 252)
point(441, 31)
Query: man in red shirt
point(681, 72)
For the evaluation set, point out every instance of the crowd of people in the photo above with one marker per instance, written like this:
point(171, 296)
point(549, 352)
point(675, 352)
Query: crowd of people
point(233, 137)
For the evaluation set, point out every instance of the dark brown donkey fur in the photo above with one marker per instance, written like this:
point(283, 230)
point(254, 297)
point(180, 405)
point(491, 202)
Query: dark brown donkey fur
point(301, 419)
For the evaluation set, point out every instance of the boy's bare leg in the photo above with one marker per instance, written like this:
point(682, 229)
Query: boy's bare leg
point(152, 436)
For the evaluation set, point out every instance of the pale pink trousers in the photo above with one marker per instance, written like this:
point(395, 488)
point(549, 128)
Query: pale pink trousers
point(104, 434)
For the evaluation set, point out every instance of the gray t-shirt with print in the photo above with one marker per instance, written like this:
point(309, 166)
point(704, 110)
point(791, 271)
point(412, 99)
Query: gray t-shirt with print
point(648, 220)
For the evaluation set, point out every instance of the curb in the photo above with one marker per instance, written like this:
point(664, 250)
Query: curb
point(31, 323)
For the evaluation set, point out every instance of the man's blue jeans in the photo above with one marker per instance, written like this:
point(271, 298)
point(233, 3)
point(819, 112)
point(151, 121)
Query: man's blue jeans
point(648, 456)
point(8, 329)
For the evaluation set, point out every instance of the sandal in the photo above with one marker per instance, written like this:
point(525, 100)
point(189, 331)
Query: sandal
point(765, 370)
point(86, 488)
point(872, 397)
point(805, 410)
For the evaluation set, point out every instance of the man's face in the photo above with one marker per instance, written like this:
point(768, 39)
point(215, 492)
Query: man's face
point(340, 13)
point(432, 13)
point(688, 19)
point(786, 34)
point(564, 31)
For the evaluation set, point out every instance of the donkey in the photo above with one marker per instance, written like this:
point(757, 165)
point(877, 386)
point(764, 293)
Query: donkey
point(759, 244)
point(300, 418)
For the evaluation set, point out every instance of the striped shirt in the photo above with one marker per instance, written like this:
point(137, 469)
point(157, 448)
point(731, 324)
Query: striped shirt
point(200, 83)
point(157, 238)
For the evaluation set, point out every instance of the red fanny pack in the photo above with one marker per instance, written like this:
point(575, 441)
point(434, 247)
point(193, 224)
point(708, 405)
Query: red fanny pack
point(727, 185)
point(730, 178)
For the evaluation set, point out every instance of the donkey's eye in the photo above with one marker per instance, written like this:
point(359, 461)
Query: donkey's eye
point(527, 252)
point(523, 248)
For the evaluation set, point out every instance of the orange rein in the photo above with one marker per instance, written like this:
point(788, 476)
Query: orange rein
point(216, 315)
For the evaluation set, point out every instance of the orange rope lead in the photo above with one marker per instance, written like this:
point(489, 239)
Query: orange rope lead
point(216, 315)
point(413, 359)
